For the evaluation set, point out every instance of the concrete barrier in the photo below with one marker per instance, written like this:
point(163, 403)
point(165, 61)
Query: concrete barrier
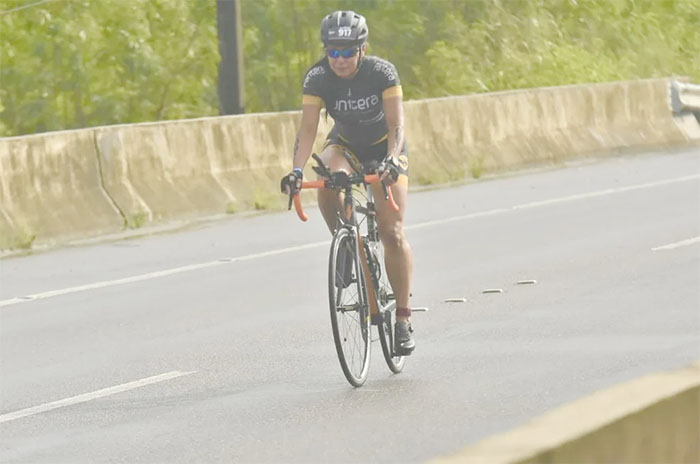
point(79, 183)
point(454, 137)
point(161, 171)
point(655, 419)
point(50, 190)
point(253, 152)
point(9, 236)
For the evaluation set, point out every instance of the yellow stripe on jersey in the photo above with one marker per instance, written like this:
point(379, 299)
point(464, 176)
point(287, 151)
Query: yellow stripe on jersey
point(311, 100)
point(394, 91)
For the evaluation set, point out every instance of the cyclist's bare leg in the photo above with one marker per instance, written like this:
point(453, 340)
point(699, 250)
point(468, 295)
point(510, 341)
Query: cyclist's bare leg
point(397, 251)
point(330, 201)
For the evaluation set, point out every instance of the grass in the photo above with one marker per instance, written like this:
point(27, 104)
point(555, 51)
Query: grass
point(21, 239)
point(435, 176)
point(232, 207)
point(264, 200)
point(476, 166)
point(137, 220)
point(24, 239)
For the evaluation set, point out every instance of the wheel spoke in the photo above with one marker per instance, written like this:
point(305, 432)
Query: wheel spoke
point(350, 323)
point(347, 314)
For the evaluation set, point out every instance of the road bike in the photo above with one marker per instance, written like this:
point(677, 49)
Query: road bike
point(359, 292)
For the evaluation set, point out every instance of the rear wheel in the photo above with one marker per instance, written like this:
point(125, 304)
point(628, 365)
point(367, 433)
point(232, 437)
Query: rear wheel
point(348, 307)
point(387, 305)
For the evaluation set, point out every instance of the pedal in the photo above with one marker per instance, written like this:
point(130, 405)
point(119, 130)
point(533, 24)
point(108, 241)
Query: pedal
point(377, 319)
point(401, 352)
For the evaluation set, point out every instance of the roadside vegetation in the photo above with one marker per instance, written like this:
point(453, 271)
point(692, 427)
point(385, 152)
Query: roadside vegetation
point(76, 63)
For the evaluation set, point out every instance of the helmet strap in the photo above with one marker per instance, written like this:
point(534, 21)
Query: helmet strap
point(362, 53)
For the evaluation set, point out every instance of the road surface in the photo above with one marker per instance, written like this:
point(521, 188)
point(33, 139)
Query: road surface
point(213, 344)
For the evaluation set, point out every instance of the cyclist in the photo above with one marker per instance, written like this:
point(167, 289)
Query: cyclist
point(363, 96)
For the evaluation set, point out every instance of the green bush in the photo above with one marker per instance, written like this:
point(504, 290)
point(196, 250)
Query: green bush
point(76, 63)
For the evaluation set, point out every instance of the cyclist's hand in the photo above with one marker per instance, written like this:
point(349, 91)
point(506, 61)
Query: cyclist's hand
point(291, 183)
point(388, 171)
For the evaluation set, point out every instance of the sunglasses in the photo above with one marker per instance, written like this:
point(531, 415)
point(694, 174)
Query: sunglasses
point(345, 52)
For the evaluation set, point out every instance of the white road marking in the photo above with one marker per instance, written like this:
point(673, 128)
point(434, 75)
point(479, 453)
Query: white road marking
point(682, 243)
point(458, 218)
point(154, 275)
point(600, 193)
point(91, 396)
point(219, 262)
point(537, 204)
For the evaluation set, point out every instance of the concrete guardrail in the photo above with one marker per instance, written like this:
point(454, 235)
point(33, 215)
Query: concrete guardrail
point(655, 419)
point(64, 185)
point(50, 187)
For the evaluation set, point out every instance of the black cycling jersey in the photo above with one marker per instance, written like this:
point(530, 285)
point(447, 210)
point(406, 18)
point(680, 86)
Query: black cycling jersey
point(356, 104)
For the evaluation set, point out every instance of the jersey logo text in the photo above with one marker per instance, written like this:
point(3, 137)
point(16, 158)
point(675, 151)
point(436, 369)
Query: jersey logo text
point(313, 72)
point(386, 69)
point(358, 104)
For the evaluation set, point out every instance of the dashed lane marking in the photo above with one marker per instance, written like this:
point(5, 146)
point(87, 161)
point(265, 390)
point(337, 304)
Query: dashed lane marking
point(682, 243)
point(92, 396)
point(220, 262)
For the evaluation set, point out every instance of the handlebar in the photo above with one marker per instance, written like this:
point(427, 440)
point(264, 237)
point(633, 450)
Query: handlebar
point(367, 179)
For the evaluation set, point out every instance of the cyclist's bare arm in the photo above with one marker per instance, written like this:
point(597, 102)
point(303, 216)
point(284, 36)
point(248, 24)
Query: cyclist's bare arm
point(310, 114)
point(393, 110)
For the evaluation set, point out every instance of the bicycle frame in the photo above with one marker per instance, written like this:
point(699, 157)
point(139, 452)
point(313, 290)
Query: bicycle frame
point(354, 225)
point(350, 221)
point(374, 294)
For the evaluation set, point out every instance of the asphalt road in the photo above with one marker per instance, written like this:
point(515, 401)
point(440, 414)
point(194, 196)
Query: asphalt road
point(164, 349)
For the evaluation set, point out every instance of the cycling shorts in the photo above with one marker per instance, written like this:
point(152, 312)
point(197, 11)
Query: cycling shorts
point(368, 153)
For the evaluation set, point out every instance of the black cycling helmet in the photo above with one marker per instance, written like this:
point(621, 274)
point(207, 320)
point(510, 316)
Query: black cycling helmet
point(344, 28)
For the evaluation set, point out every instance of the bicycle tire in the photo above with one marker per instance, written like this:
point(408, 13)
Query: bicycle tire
point(349, 309)
point(387, 305)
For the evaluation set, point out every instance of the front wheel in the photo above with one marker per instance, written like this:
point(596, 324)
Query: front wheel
point(349, 308)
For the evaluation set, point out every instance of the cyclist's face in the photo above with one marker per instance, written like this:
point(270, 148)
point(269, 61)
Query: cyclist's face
point(344, 67)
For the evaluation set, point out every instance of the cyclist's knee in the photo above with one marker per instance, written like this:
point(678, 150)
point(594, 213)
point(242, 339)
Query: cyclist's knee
point(334, 159)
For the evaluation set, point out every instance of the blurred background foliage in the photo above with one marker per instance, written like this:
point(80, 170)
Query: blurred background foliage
point(76, 63)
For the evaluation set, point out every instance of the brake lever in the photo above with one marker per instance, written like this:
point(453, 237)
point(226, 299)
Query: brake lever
point(386, 190)
point(384, 187)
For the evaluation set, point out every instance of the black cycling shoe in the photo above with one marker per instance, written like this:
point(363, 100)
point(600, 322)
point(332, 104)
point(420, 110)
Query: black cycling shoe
point(404, 344)
point(343, 270)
